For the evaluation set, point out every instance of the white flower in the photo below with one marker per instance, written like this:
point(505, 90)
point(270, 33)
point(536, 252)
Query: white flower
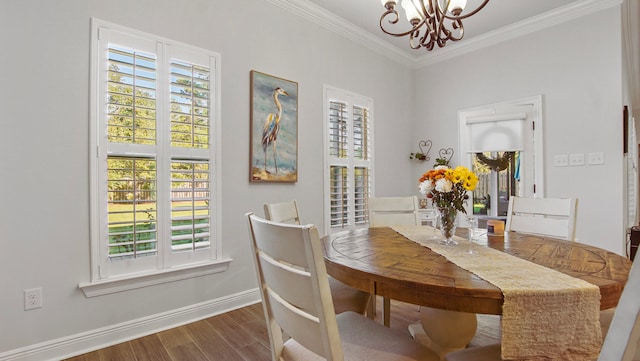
point(426, 187)
point(444, 185)
point(441, 167)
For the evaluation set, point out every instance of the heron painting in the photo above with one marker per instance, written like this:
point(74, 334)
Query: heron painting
point(274, 129)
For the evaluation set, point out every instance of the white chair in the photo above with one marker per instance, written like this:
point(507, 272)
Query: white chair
point(386, 211)
point(389, 211)
point(555, 217)
point(296, 300)
point(621, 341)
point(440, 330)
point(283, 212)
point(345, 298)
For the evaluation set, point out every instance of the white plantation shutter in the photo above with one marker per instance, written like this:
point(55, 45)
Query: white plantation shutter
point(155, 166)
point(131, 84)
point(349, 143)
point(361, 138)
point(338, 130)
point(361, 193)
point(339, 196)
point(190, 218)
point(362, 154)
point(190, 75)
point(132, 231)
point(190, 99)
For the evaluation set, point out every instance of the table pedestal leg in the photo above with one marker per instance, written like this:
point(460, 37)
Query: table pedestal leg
point(444, 331)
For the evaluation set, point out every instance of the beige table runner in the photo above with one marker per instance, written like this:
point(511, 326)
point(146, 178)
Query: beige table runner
point(546, 315)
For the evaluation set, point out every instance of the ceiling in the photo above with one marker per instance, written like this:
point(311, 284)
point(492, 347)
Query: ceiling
point(499, 20)
point(497, 14)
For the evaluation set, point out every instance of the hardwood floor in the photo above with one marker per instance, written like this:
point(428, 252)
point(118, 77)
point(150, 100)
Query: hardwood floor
point(241, 335)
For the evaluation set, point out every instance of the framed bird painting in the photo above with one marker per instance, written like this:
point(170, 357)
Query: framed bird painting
point(274, 129)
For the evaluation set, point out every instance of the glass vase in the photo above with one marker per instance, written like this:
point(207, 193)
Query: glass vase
point(448, 223)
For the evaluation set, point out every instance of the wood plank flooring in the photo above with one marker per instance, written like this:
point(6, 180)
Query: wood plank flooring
point(241, 335)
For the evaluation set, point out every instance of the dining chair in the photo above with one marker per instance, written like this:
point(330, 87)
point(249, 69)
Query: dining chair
point(440, 330)
point(389, 211)
point(385, 211)
point(296, 300)
point(282, 212)
point(621, 341)
point(345, 298)
point(554, 217)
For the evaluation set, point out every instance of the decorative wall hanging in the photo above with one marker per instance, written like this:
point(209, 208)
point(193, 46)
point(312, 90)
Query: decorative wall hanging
point(444, 156)
point(274, 129)
point(422, 154)
point(499, 163)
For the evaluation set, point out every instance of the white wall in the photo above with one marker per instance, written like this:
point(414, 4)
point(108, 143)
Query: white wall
point(44, 143)
point(576, 66)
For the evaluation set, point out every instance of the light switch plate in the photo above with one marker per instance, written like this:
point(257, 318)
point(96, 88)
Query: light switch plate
point(576, 159)
point(595, 158)
point(560, 160)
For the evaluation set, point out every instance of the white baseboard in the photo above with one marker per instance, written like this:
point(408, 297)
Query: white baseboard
point(84, 342)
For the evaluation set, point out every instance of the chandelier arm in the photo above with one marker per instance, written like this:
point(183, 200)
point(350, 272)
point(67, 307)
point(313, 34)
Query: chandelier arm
point(443, 34)
point(432, 17)
point(457, 24)
point(415, 27)
point(440, 22)
point(413, 36)
point(425, 9)
point(460, 17)
point(430, 34)
point(449, 35)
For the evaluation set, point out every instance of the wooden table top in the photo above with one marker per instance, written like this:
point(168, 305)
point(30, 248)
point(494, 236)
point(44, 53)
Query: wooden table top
point(383, 262)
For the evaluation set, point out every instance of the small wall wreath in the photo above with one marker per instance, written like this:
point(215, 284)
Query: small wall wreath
point(498, 163)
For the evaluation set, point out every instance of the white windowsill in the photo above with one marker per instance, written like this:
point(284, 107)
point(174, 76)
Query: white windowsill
point(139, 280)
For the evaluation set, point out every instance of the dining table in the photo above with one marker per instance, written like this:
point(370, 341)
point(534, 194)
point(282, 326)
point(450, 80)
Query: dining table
point(384, 262)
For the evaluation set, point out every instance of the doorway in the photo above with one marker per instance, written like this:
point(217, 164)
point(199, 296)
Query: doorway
point(503, 144)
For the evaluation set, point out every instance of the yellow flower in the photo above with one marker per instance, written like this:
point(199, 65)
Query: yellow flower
point(470, 181)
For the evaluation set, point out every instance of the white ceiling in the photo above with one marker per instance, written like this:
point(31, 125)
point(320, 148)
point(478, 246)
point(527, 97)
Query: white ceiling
point(499, 20)
point(495, 15)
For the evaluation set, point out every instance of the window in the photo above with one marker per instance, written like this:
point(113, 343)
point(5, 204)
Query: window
point(502, 143)
point(348, 129)
point(155, 139)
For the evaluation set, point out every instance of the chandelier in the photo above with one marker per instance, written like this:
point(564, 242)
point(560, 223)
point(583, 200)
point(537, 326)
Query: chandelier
point(441, 19)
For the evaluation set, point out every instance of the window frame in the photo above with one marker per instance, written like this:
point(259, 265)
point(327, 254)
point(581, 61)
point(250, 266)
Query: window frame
point(350, 99)
point(165, 268)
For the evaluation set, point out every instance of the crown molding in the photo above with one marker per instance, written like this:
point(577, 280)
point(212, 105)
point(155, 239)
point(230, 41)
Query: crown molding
point(545, 20)
point(336, 24)
point(340, 26)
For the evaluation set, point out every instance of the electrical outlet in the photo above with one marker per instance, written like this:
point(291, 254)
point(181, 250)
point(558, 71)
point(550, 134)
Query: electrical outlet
point(32, 298)
point(560, 160)
point(576, 159)
point(595, 158)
